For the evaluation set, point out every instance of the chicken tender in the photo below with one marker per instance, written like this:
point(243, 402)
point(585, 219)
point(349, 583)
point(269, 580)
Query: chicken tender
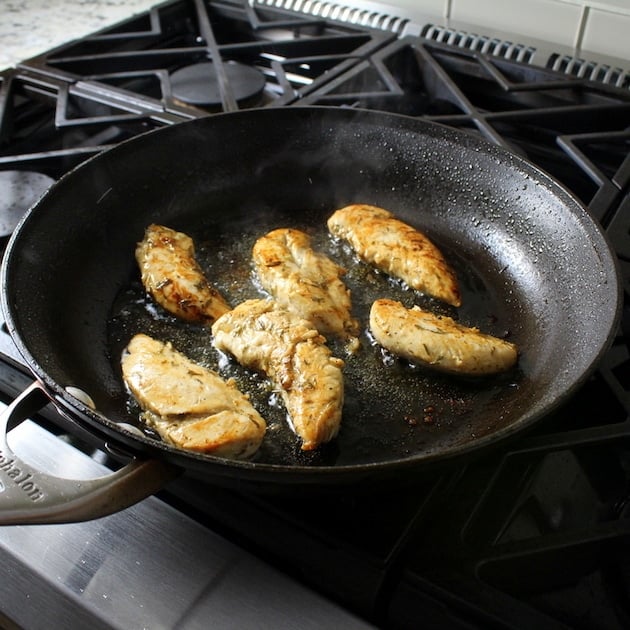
point(305, 282)
point(190, 406)
point(438, 341)
point(172, 276)
point(263, 336)
point(397, 249)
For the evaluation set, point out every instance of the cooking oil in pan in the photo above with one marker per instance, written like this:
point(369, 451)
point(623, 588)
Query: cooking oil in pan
point(392, 409)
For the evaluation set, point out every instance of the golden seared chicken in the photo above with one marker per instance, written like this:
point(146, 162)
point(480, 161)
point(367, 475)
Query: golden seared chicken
point(190, 406)
point(437, 341)
point(172, 276)
point(396, 248)
point(305, 282)
point(264, 336)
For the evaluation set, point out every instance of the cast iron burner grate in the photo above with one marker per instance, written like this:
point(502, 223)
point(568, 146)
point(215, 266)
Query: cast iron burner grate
point(180, 60)
point(50, 126)
point(575, 129)
point(549, 530)
point(293, 54)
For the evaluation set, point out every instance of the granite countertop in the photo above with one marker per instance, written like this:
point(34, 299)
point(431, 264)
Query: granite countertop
point(31, 27)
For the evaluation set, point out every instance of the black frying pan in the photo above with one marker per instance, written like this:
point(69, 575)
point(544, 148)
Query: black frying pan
point(533, 266)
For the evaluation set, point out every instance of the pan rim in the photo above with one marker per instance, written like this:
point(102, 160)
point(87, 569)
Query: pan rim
point(101, 423)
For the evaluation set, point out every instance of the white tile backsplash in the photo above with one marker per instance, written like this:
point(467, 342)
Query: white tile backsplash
point(543, 19)
point(594, 26)
point(608, 33)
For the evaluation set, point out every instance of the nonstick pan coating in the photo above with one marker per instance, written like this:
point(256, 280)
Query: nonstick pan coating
point(534, 267)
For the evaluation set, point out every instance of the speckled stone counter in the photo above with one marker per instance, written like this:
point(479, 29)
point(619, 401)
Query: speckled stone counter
point(31, 27)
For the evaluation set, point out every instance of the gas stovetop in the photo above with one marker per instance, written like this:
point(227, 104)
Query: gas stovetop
point(535, 533)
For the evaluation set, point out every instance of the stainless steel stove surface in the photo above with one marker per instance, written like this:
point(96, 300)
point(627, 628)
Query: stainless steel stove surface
point(531, 535)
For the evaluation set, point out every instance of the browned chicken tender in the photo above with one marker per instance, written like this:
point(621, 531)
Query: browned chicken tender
point(172, 276)
point(305, 282)
point(266, 337)
point(190, 406)
point(438, 341)
point(397, 249)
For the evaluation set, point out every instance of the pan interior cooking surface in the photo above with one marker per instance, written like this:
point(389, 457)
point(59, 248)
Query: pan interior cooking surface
point(532, 265)
point(391, 408)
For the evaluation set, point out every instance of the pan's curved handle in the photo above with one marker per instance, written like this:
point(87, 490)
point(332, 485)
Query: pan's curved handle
point(29, 496)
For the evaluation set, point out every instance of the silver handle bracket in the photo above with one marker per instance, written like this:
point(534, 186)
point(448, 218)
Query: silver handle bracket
point(29, 496)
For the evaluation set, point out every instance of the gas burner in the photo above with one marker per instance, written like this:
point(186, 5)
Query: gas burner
point(21, 190)
point(204, 84)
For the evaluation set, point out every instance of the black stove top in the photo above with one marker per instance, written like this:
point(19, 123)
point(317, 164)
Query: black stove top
point(534, 534)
